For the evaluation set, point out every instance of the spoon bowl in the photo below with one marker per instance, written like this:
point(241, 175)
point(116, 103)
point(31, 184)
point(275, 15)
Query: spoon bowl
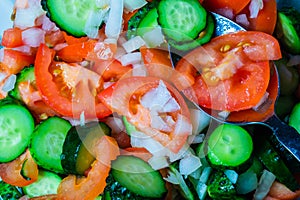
point(263, 114)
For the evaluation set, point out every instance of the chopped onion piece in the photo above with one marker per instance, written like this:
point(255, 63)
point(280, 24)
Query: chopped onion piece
point(265, 182)
point(9, 83)
point(1, 54)
point(189, 164)
point(158, 162)
point(154, 37)
point(3, 76)
point(171, 106)
point(226, 12)
point(131, 58)
point(158, 123)
point(171, 178)
point(254, 7)
point(231, 175)
point(184, 151)
point(242, 20)
point(261, 102)
point(82, 119)
point(48, 25)
point(115, 123)
point(23, 48)
point(200, 120)
point(183, 126)
point(156, 98)
point(133, 44)
point(224, 114)
point(33, 37)
point(131, 5)
point(26, 17)
point(197, 139)
point(201, 190)
point(247, 182)
point(114, 22)
point(205, 174)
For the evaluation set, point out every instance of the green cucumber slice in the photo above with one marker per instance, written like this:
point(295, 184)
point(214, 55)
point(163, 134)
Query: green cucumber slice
point(229, 146)
point(47, 142)
point(16, 127)
point(181, 20)
point(138, 177)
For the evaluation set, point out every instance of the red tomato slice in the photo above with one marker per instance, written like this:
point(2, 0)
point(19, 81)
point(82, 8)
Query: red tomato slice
point(124, 98)
point(69, 90)
point(12, 37)
point(231, 72)
point(14, 61)
point(11, 172)
point(86, 188)
point(266, 19)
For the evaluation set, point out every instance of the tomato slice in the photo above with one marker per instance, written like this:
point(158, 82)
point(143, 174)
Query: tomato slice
point(12, 37)
point(266, 19)
point(70, 90)
point(231, 72)
point(86, 188)
point(124, 97)
point(14, 61)
point(11, 172)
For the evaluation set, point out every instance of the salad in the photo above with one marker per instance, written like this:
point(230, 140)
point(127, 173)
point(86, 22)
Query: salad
point(96, 105)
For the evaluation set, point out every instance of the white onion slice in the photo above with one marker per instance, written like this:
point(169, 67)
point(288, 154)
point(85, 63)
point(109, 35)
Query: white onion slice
point(200, 120)
point(231, 175)
point(154, 38)
point(33, 37)
point(131, 5)
point(189, 164)
point(158, 162)
point(114, 22)
point(130, 58)
point(265, 182)
point(94, 21)
point(242, 20)
point(247, 182)
point(133, 44)
point(254, 7)
point(9, 83)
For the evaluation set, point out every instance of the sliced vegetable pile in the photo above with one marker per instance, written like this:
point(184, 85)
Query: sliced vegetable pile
point(92, 107)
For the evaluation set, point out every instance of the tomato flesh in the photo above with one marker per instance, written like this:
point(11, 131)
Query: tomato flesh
point(52, 88)
point(231, 72)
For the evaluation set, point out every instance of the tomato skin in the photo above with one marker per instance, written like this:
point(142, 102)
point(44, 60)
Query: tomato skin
point(51, 94)
point(86, 188)
point(14, 61)
point(12, 37)
point(241, 63)
point(11, 172)
point(118, 96)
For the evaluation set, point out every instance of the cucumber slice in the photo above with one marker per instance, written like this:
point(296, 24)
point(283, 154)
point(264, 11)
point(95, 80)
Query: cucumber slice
point(148, 22)
point(138, 177)
point(27, 74)
point(76, 157)
point(204, 37)
point(181, 20)
point(46, 184)
point(229, 146)
point(47, 142)
point(16, 127)
point(72, 16)
point(294, 119)
point(136, 19)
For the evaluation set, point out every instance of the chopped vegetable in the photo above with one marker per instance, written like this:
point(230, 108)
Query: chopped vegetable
point(294, 117)
point(229, 146)
point(9, 192)
point(138, 176)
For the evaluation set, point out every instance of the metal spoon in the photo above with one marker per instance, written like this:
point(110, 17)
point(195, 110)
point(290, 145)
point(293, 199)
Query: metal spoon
point(265, 115)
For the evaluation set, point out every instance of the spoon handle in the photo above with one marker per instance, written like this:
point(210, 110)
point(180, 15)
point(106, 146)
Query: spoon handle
point(286, 135)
